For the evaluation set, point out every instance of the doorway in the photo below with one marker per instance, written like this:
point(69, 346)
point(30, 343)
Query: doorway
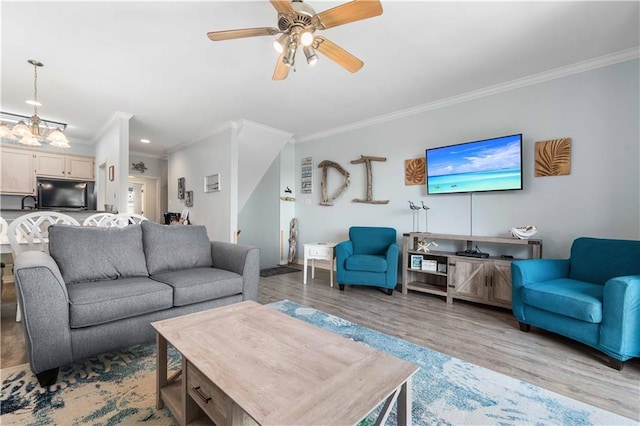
point(143, 197)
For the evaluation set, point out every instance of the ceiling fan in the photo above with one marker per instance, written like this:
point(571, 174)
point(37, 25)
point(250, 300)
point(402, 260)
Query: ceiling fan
point(297, 22)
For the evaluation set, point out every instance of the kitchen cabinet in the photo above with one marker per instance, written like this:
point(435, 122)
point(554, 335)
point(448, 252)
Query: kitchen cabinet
point(17, 176)
point(64, 166)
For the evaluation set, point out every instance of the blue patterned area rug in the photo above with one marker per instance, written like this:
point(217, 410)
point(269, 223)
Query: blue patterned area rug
point(119, 388)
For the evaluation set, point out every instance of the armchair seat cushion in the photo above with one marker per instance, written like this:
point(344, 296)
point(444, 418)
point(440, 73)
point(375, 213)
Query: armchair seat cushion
point(100, 302)
point(366, 262)
point(200, 284)
point(564, 296)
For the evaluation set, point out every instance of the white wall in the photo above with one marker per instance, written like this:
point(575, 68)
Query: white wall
point(597, 109)
point(217, 153)
point(112, 148)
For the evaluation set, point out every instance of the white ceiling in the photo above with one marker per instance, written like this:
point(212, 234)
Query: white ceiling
point(154, 60)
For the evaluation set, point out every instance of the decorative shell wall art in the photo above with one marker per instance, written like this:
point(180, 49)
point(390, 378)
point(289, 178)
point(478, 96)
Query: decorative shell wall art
point(415, 171)
point(553, 157)
point(524, 232)
point(139, 167)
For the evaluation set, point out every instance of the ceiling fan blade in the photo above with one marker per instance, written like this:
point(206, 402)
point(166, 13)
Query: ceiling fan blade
point(355, 10)
point(282, 6)
point(337, 54)
point(282, 71)
point(245, 32)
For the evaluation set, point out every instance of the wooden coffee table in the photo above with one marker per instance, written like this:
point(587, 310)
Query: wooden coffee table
point(249, 363)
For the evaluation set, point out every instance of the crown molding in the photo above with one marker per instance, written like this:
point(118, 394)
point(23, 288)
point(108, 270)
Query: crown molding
point(579, 67)
point(118, 115)
point(264, 128)
point(148, 155)
point(218, 129)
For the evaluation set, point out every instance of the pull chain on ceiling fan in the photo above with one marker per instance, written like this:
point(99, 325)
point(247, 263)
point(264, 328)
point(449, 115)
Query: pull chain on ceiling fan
point(297, 23)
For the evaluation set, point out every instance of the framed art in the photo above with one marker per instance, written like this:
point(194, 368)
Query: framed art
point(188, 199)
point(306, 171)
point(212, 183)
point(181, 188)
point(416, 261)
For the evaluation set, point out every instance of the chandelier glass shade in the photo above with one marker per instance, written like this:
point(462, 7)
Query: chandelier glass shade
point(32, 131)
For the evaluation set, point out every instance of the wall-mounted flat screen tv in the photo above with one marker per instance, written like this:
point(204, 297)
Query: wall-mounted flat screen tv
point(485, 165)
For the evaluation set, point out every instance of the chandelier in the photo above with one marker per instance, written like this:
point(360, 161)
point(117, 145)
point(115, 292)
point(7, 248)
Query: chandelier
point(32, 130)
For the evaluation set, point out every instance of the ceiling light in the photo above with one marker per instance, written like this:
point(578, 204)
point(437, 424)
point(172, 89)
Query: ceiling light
point(290, 58)
point(145, 141)
point(282, 43)
point(312, 58)
point(33, 129)
point(306, 38)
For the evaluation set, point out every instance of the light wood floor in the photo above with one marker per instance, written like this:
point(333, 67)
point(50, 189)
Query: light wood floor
point(485, 336)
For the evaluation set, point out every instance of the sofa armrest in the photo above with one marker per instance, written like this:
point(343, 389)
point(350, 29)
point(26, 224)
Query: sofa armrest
point(620, 327)
point(529, 271)
point(392, 264)
point(44, 301)
point(241, 259)
point(343, 250)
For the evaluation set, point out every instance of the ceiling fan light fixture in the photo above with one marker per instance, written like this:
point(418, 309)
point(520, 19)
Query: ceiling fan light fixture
point(282, 43)
point(310, 53)
point(290, 58)
point(306, 38)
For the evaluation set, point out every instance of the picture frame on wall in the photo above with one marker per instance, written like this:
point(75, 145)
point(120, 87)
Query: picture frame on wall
point(188, 200)
point(416, 261)
point(181, 188)
point(306, 176)
point(212, 183)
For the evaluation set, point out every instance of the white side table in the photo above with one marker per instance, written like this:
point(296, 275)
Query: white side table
point(320, 251)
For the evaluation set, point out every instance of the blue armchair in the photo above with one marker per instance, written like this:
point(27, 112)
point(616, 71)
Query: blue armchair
point(369, 257)
point(592, 297)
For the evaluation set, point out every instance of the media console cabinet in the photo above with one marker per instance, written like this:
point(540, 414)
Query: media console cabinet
point(482, 280)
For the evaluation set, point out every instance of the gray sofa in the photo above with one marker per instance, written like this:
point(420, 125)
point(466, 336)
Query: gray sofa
point(100, 288)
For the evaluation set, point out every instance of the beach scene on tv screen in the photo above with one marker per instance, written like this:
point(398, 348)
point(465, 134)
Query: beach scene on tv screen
point(490, 165)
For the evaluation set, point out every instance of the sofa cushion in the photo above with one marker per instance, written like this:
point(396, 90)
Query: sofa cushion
point(366, 262)
point(89, 253)
point(170, 248)
point(571, 298)
point(200, 284)
point(106, 301)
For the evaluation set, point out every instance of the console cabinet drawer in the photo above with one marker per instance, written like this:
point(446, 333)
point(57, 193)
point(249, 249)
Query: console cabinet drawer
point(215, 403)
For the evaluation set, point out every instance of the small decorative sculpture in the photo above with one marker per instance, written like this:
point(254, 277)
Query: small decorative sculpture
point(524, 232)
point(293, 239)
point(423, 245)
point(139, 167)
point(426, 211)
point(416, 219)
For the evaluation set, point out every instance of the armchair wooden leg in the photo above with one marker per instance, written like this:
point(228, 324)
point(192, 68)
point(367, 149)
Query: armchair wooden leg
point(616, 363)
point(389, 291)
point(524, 327)
point(341, 287)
